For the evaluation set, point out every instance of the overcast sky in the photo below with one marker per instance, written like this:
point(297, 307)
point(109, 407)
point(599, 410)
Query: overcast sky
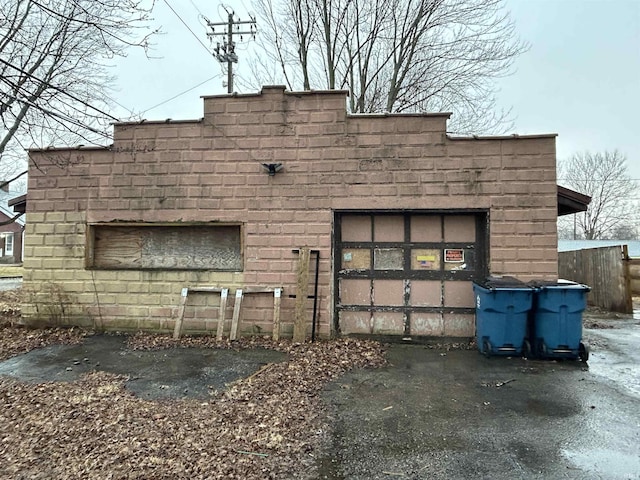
point(580, 78)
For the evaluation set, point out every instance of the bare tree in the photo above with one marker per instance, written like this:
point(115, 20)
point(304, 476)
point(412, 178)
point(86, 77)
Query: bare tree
point(565, 228)
point(54, 78)
point(624, 232)
point(602, 176)
point(394, 55)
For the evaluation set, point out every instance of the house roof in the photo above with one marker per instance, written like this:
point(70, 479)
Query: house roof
point(5, 205)
point(19, 204)
point(570, 201)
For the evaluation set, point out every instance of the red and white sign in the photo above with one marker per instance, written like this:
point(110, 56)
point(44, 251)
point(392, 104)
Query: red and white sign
point(454, 255)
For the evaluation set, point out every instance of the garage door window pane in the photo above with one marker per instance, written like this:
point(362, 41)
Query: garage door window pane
point(356, 259)
point(425, 259)
point(459, 259)
point(388, 259)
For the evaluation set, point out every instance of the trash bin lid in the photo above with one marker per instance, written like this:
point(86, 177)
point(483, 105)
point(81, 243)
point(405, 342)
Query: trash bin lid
point(560, 283)
point(493, 282)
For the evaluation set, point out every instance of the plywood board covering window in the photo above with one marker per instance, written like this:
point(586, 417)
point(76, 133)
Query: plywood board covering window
point(166, 247)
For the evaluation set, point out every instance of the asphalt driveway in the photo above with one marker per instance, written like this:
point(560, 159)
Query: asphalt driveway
point(429, 414)
point(456, 415)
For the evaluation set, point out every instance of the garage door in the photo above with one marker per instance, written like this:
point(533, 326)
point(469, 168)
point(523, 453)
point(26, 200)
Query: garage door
point(408, 274)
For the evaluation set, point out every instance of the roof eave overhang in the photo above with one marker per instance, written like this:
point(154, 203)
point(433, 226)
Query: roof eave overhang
point(570, 201)
point(19, 204)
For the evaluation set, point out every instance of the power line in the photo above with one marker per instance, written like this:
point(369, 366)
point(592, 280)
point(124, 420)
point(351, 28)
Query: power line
point(73, 97)
point(226, 51)
point(59, 115)
point(58, 89)
point(196, 7)
point(88, 105)
point(180, 94)
point(72, 18)
point(188, 28)
point(245, 7)
point(111, 99)
point(52, 113)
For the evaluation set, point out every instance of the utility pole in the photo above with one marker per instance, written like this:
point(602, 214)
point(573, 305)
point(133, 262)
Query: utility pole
point(225, 50)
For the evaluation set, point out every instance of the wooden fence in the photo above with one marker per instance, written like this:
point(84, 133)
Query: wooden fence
point(634, 271)
point(607, 270)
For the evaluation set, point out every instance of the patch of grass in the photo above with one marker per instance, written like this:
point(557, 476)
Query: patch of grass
point(11, 271)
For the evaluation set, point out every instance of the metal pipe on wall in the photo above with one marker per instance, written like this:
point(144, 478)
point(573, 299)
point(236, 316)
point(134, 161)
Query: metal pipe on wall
point(315, 296)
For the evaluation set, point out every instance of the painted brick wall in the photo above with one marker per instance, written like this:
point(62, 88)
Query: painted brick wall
point(209, 170)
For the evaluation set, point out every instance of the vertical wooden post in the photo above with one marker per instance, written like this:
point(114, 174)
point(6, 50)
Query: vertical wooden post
point(221, 312)
point(626, 272)
point(183, 302)
point(236, 315)
point(299, 322)
point(277, 295)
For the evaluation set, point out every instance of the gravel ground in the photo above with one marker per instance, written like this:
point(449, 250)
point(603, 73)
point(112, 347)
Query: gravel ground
point(270, 425)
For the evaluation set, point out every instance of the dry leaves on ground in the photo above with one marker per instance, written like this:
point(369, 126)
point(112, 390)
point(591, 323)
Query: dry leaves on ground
point(450, 345)
point(15, 339)
point(597, 324)
point(598, 318)
point(10, 301)
point(271, 425)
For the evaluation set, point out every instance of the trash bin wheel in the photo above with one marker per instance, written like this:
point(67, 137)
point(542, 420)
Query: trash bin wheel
point(537, 348)
point(526, 349)
point(486, 348)
point(583, 352)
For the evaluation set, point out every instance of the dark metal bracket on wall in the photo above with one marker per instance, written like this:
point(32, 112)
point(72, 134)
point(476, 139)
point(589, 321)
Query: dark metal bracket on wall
point(315, 292)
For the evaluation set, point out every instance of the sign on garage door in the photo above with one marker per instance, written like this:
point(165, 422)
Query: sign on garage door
point(408, 273)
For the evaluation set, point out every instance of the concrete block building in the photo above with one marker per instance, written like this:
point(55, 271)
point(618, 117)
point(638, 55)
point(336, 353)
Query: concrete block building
point(400, 216)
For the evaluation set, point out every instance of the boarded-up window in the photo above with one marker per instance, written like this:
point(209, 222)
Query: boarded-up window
point(173, 247)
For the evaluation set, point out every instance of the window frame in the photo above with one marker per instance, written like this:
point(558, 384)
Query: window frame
point(93, 227)
point(7, 251)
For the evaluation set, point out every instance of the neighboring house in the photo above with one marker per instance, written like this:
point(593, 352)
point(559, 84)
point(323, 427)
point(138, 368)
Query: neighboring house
point(402, 216)
point(11, 234)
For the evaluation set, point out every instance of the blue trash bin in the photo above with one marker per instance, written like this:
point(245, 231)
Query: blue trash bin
point(557, 320)
point(502, 310)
